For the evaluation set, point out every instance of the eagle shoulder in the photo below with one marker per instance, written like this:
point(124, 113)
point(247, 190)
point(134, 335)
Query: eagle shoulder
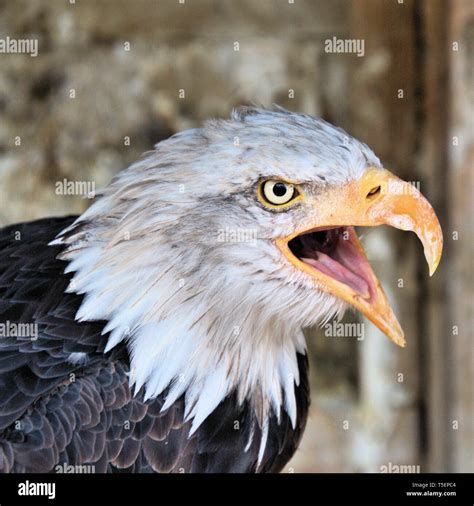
point(64, 402)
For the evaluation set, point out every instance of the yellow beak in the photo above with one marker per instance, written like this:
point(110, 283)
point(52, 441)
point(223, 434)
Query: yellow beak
point(378, 198)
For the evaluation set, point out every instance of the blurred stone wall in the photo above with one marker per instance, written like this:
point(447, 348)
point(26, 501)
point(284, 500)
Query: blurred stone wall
point(112, 78)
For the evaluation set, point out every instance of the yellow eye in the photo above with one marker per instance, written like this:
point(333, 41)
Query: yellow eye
point(278, 192)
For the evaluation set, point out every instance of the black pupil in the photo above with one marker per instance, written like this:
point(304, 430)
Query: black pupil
point(279, 189)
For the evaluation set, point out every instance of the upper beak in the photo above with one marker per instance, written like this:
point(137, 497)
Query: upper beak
point(377, 198)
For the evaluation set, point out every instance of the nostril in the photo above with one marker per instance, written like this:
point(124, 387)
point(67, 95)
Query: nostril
point(373, 192)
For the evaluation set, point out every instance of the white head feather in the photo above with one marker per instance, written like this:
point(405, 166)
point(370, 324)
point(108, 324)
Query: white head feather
point(202, 315)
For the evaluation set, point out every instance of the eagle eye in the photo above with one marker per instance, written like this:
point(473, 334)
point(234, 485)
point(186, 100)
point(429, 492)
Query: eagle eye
point(277, 193)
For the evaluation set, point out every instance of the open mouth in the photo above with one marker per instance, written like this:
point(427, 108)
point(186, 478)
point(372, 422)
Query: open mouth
point(332, 252)
point(335, 259)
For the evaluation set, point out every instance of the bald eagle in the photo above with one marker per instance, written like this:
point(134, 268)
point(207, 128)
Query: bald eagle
point(161, 330)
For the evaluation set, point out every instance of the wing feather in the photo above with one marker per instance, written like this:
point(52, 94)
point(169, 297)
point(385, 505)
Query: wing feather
point(55, 411)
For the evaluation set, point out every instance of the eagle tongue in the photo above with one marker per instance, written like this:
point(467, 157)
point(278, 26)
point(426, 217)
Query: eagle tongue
point(339, 272)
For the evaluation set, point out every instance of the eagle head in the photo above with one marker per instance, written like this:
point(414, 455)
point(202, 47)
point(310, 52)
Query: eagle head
point(211, 253)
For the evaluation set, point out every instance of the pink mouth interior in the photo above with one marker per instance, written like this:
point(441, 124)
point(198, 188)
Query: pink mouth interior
point(332, 252)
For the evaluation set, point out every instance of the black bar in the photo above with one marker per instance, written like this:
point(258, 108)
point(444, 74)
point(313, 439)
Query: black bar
point(292, 489)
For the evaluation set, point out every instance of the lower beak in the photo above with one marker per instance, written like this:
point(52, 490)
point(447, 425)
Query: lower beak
point(377, 198)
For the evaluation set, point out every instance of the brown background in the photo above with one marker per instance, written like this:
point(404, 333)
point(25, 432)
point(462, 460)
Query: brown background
point(364, 414)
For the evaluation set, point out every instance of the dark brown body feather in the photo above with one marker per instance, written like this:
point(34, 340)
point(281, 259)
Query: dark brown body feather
point(56, 413)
